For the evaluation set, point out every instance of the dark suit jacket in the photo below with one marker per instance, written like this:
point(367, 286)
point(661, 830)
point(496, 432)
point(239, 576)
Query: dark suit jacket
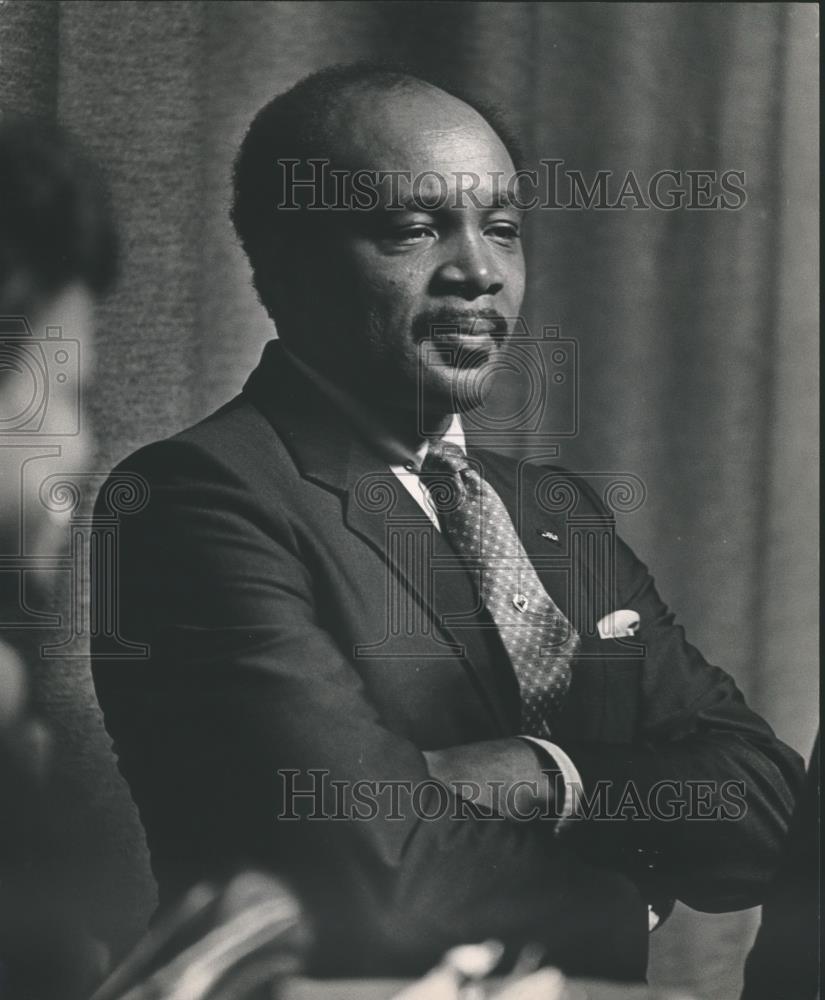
point(267, 577)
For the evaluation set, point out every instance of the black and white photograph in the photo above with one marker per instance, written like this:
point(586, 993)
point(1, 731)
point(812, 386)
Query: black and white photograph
point(409, 492)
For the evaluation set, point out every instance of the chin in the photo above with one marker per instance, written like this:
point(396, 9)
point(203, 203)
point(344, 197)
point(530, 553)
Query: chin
point(469, 388)
point(443, 397)
point(438, 394)
point(442, 391)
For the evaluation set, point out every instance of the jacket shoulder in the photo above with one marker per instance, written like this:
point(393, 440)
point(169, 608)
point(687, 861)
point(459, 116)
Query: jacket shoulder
point(233, 440)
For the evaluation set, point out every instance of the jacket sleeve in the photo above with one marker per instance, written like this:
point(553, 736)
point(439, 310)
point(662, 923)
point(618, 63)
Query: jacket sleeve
point(244, 699)
point(697, 801)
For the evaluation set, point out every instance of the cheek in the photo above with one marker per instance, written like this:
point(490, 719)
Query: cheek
point(393, 284)
point(514, 285)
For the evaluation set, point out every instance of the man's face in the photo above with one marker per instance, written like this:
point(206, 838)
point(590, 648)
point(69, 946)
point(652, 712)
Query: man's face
point(415, 304)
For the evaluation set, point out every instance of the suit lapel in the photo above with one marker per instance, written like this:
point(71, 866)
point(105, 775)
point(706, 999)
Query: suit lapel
point(378, 509)
point(543, 533)
point(422, 561)
point(573, 550)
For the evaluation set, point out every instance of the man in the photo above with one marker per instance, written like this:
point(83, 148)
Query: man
point(57, 255)
point(304, 666)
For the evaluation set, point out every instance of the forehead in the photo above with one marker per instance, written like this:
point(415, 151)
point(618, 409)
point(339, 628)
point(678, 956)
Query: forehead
point(415, 129)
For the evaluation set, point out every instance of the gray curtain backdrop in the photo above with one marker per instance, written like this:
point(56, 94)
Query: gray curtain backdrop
point(696, 329)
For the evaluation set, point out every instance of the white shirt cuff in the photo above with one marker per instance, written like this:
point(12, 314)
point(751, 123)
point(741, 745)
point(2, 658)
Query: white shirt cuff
point(569, 773)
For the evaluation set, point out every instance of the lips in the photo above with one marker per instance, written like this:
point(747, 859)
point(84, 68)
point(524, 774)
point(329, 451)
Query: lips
point(462, 328)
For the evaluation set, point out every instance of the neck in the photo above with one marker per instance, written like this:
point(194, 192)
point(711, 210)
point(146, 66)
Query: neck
point(408, 429)
point(398, 430)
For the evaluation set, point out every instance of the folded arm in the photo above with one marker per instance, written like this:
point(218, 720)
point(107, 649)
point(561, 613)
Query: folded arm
point(694, 798)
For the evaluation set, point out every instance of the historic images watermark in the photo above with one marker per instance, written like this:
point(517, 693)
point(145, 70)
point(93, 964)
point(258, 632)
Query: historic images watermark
point(314, 794)
point(318, 185)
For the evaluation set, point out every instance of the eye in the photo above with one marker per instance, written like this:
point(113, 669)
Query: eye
point(414, 234)
point(503, 232)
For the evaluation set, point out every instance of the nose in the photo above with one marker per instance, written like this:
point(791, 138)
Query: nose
point(470, 270)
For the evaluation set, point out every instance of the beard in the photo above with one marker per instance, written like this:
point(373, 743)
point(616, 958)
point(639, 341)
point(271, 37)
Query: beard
point(458, 356)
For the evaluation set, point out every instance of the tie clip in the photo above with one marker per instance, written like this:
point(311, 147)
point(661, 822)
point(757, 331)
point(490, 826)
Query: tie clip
point(520, 603)
point(551, 536)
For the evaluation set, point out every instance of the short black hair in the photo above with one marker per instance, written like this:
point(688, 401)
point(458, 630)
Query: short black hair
point(56, 221)
point(294, 126)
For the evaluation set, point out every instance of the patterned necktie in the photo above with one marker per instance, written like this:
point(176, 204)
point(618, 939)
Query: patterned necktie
point(539, 639)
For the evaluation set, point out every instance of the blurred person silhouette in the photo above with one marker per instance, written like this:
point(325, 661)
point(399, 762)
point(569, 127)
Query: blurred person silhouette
point(57, 256)
point(784, 960)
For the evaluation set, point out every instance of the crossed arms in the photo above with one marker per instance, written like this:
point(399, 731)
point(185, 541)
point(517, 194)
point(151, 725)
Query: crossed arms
point(248, 679)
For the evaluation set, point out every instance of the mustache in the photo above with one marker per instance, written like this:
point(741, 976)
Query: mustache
point(441, 323)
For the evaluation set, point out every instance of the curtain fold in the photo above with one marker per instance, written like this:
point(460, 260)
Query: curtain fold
point(696, 330)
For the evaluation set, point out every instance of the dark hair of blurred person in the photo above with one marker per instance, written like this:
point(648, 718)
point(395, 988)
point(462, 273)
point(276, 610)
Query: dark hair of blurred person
point(57, 255)
point(56, 226)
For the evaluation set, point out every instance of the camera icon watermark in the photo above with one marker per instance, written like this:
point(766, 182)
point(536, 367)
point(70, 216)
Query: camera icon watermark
point(42, 367)
point(511, 387)
point(42, 431)
point(565, 522)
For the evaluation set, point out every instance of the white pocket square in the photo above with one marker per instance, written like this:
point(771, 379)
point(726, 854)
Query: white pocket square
point(619, 624)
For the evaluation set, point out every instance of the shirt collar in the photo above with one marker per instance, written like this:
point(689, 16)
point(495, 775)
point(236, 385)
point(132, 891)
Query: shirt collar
point(453, 435)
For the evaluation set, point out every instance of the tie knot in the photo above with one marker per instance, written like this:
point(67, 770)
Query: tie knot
point(441, 472)
point(444, 458)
